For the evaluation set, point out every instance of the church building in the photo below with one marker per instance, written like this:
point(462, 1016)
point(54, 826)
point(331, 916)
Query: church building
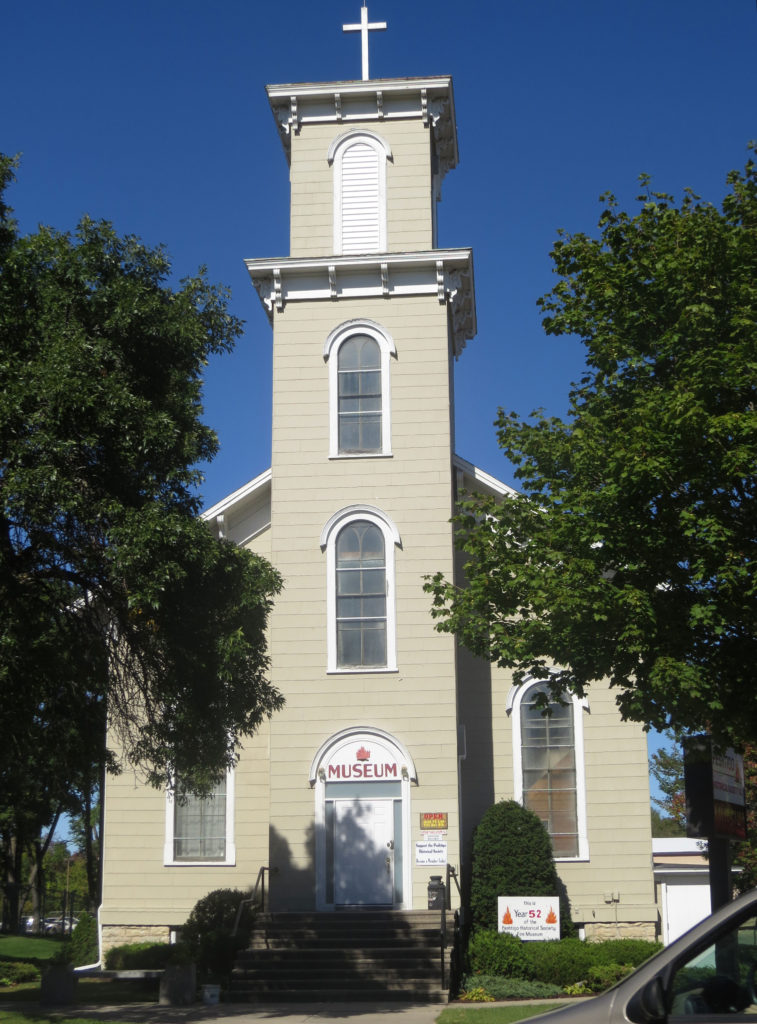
point(393, 740)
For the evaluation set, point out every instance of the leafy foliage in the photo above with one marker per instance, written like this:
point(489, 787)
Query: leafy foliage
point(207, 932)
point(487, 988)
point(630, 555)
point(133, 956)
point(111, 587)
point(512, 856)
point(84, 947)
point(563, 965)
point(666, 768)
point(624, 951)
point(16, 972)
point(497, 953)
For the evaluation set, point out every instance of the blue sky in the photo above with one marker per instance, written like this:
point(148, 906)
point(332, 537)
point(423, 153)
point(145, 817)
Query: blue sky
point(154, 115)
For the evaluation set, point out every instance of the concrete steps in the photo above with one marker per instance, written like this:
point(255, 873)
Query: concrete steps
point(345, 955)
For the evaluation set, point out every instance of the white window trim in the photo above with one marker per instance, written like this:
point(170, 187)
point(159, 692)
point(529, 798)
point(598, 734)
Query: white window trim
point(387, 349)
point(514, 701)
point(231, 854)
point(352, 514)
point(336, 153)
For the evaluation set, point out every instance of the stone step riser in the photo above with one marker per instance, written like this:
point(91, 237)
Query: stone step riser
point(375, 955)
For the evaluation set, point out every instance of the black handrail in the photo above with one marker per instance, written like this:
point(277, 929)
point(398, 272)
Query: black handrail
point(257, 898)
point(451, 873)
point(456, 952)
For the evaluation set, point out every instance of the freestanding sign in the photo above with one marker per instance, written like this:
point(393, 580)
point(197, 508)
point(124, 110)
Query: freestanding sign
point(531, 918)
point(715, 799)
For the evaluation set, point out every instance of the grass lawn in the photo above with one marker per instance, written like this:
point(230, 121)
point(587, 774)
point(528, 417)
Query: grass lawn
point(29, 947)
point(493, 1014)
point(94, 991)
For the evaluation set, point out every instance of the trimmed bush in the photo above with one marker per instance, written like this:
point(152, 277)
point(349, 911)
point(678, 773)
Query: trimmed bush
point(603, 976)
point(208, 929)
point(512, 856)
point(136, 956)
point(84, 948)
point(14, 972)
point(493, 953)
point(624, 951)
point(569, 965)
point(561, 963)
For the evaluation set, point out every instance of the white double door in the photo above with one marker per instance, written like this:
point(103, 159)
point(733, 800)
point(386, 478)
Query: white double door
point(363, 852)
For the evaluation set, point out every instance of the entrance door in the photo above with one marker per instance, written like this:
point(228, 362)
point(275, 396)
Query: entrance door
point(364, 852)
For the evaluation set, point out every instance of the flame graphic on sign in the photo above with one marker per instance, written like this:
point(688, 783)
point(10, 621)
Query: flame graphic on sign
point(551, 917)
point(507, 917)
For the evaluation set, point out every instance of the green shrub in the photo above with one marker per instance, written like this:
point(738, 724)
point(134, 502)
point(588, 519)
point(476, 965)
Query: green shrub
point(14, 972)
point(217, 912)
point(477, 994)
point(568, 965)
point(493, 953)
point(561, 963)
point(508, 988)
point(624, 951)
point(603, 976)
point(208, 931)
point(512, 856)
point(84, 948)
point(148, 956)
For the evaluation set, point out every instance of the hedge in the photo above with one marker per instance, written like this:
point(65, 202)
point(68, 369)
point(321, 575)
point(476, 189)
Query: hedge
point(567, 962)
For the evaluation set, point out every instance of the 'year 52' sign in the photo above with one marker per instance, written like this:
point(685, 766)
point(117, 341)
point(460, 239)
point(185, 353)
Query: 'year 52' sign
point(529, 917)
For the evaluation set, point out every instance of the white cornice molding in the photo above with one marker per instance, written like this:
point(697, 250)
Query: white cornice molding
point(383, 99)
point(446, 273)
point(222, 507)
point(482, 479)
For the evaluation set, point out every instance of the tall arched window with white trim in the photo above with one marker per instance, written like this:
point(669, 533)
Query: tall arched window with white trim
point(359, 160)
point(358, 355)
point(360, 596)
point(549, 766)
point(359, 542)
point(359, 400)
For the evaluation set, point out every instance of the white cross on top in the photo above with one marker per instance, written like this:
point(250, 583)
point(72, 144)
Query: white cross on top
point(364, 28)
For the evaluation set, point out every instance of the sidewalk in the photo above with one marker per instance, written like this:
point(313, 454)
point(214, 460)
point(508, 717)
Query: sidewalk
point(246, 1013)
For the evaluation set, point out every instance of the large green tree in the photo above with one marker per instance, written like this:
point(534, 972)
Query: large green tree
point(630, 553)
point(113, 593)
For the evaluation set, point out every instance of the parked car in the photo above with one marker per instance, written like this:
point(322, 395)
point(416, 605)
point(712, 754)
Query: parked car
point(708, 974)
point(59, 925)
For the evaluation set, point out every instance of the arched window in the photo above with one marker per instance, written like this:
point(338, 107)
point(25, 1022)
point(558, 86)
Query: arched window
point(359, 543)
point(359, 159)
point(360, 596)
point(359, 399)
point(358, 354)
point(549, 768)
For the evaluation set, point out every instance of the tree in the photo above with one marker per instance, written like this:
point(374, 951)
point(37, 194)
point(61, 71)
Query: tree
point(664, 827)
point(666, 768)
point(113, 592)
point(630, 555)
point(512, 856)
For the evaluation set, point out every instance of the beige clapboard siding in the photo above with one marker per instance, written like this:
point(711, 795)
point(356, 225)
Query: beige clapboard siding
point(417, 703)
point(617, 792)
point(137, 886)
point(408, 201)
